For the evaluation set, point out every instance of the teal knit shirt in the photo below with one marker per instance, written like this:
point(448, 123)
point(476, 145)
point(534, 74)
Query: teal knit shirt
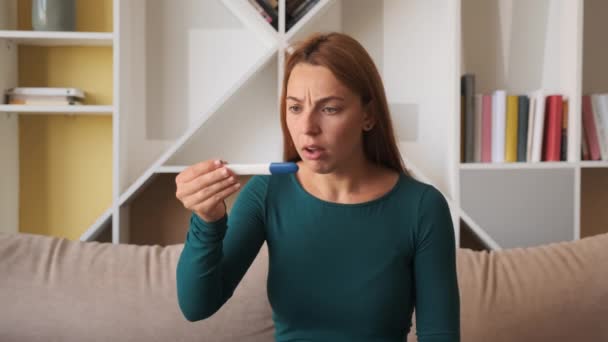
point(337, 272)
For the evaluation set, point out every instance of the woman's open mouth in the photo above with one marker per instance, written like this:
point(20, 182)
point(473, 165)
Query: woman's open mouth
point(312, 152)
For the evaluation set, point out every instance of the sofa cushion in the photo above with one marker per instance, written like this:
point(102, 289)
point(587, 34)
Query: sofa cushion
point(61, 290)
point(55, 289)
point(554, 292)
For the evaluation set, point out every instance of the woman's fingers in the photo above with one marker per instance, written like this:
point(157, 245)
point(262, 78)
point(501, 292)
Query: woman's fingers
point(214, 200)
point(203, 187)
point(196, 170)
point(201, 182)
point(206, 192)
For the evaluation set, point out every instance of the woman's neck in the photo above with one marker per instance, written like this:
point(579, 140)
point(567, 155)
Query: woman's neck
point(351, 183)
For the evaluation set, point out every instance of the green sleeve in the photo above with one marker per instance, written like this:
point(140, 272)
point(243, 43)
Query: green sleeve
point(217, 254)
point(436, 281)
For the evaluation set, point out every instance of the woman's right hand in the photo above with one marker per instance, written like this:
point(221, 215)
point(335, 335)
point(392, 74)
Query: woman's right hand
point(203, 187)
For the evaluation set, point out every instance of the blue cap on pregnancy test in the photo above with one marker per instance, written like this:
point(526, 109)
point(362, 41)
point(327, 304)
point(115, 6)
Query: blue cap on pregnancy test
point(283, 168)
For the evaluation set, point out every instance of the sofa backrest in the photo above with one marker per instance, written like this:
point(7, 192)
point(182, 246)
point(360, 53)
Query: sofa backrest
point(61, 290)
point(55, 289)
point(554, 292)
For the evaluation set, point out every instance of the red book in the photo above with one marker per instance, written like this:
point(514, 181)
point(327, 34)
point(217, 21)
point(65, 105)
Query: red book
point(486, 129)
point(590, 129)
point(553, 128)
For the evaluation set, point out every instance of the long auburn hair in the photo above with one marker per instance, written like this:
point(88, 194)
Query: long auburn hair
point(352, 65)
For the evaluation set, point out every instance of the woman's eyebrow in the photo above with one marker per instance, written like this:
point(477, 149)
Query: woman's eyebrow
point(323, 99)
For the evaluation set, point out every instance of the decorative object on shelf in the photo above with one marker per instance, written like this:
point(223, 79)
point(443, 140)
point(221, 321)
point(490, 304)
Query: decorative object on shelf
point(54, 15)
point(44, 96)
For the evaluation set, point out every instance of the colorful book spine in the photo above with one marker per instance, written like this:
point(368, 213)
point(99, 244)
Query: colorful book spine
point(498, 126)
point(564, 145)
point(522, 127)
point(539, 124)
point(590, 130)
point(468, 89)
point(486, 129)
point(511, 132)
point(553, 128)
point(531, 119)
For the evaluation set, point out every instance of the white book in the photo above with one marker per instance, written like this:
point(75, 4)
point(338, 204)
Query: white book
point(46, 91)
point(531, 113)
point(42, 102)
point(600, 114)
point(477, 137)
point(539, 124)
point(40, 97)
point(499, 102)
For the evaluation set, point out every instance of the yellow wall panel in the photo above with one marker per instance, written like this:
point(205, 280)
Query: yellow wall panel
point(66, 160)
point(66, 173)
point(88, 68)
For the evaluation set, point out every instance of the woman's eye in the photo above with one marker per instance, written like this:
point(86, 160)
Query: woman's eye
point(294, 109)
point(330, 110)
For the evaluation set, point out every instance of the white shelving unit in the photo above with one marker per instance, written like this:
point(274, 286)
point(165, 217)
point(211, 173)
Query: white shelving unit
point(238, 120)
point(522, 46)
point(10, 40)
point(195, 80)
point(52, 38)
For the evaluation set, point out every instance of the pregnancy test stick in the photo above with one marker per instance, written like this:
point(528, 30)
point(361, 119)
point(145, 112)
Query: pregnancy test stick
point(263, 169)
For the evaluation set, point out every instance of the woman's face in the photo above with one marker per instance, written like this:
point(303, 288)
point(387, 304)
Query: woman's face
point(325, 118)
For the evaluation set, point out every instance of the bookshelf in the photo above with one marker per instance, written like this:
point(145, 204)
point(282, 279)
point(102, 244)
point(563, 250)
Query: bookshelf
point(51, 153)
point(198, 80)
point(555, 46)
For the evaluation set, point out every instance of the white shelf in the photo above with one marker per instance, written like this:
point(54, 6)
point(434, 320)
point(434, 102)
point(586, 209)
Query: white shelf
point(56, 38)
point(518, 166)
point(80, 109)
point(315, 12)
point(594, 164)
point(170, 169)
point(251, 19)
point(485, 238)
point(96, 228)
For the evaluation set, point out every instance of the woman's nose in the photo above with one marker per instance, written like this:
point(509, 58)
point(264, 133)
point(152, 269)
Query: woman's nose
point(310, 124)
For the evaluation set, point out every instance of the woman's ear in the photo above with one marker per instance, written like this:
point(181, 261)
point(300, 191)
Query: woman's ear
point(368, 120)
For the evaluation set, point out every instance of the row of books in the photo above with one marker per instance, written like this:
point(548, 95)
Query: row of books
point(44, 96)
point(595, 127)
point(498, 127)
point(294, 11)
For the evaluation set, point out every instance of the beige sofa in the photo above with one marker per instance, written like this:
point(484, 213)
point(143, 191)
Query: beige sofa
point(58, 290)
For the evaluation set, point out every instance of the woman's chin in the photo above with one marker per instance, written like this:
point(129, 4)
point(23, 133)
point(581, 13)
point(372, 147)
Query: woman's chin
point(318, 166)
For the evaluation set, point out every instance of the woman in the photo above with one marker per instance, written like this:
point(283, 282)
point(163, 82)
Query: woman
point(355, 243)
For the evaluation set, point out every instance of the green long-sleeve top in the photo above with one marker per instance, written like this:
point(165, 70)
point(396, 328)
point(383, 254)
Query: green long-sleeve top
point(337, 272)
